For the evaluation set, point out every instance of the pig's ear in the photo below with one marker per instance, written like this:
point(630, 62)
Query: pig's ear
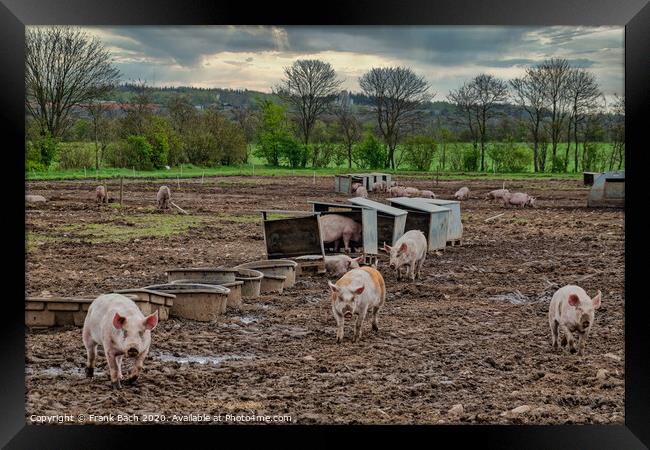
point(386, 248)
point(574, 300)
point(597, 300)
point(359, 290)
point(359, 259)
point(403, 247)
point(333, 287)
point(151, 321)
point(118, 321)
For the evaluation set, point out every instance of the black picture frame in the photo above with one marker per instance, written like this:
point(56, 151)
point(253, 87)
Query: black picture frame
point(633, 14)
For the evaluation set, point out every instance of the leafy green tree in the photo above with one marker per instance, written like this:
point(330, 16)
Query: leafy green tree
point(419, 151)
point(275, 139)
point(370, 152)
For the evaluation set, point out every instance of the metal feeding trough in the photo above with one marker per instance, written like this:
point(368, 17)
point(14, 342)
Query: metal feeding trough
point(608, 191)
point(391, 221)
point(432, 220)
point(367, 217)
point(202, 302)
point(455, 227)
point(296, 233)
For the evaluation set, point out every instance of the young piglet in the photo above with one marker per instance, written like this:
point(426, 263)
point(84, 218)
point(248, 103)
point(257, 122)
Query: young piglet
point(427, 194)
point(116, 322)
point(338, 265)
point(101, 196)
point(409, 252)
point(462, 193)
point(357, 292)
point(163, 197)
point(572, 311)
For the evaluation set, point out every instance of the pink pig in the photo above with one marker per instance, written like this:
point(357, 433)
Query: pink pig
point(338, 265)
point(100, 194)
point(335, 227)
point(427, 194)
point(462, 193)
point(412, 192)
point(361, 192)
point(116, 322)
point(572, 311)
point(518, 199)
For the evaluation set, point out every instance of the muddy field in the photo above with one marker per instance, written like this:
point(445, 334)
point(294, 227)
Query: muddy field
point(473, 331)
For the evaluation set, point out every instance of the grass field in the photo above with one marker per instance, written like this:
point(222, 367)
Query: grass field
point(256, 166)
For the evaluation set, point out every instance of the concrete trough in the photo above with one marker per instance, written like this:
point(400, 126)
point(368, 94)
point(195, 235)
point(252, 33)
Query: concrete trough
point(455, 228)
point(56, 311)
point(209, 275)
point(234, 296)
point(391, 221)
point(252, 282)
point(367, 217)
point(432, 220)
point(274, 270)
point(313, 264)
point(149, 301)
point(201, 302)
point(295, 233)
point(608, 191)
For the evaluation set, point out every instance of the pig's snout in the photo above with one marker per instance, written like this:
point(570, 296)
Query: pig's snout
point(585, 324)
point(393, 265)
point(132, 352)
point(347, 312)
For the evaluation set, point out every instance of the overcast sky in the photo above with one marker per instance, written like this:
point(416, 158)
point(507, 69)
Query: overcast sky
point(253, 57)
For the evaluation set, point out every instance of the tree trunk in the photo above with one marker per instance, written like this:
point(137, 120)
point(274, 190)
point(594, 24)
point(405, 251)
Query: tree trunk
point(535, 156)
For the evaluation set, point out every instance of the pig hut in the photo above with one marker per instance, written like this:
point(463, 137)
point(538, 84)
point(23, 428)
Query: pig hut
point(376, 177)
point(390, 220)
point(343, 183)
point(455, 228)
point(432, 220)
point(289, 234)
point(367, 217)
point(608, 191)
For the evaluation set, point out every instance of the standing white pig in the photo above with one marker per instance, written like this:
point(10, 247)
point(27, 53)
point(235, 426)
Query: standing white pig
point(518, 199)
point(116, 322)
point(427, 194)
point(409, 252)
point(338, 265)
point(335, 227)
point(572, 311)
point(497, 193)
point(357, 292)
point(361, 192)
point(379, 186)
point(101, 196)
point(462, 193)
point(163, 197)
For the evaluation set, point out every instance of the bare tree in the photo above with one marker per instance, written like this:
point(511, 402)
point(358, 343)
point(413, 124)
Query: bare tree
point(309, 87)
point(528, 93)
point(465, 102)
point(617, 133)
point(102, 129)
point(557, 74)
point(583, 92)
point(488, 92)
point(398, 95)
point(348, 122)
point(476, 100)
point(64, 68)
